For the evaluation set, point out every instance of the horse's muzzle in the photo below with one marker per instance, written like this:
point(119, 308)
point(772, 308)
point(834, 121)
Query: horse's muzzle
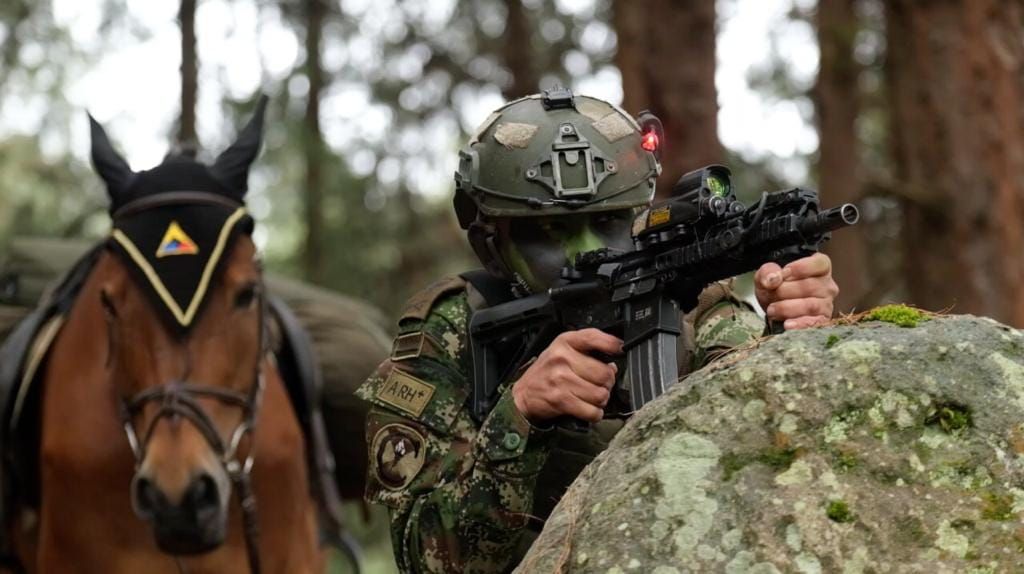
point(196, 524)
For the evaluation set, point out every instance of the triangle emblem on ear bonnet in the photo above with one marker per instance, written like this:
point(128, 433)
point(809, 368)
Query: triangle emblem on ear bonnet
point(176, 242)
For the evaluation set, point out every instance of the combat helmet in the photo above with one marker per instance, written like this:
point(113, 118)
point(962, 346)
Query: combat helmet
point(549, 154)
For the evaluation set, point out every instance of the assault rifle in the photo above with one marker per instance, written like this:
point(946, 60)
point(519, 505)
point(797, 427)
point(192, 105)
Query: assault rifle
point(700, 235)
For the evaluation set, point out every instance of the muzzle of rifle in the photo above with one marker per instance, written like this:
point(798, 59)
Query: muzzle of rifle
point(831, 219)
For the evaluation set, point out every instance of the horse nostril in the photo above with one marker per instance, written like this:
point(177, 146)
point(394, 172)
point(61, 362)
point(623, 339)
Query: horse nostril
point(148, 498)
point(202, 494)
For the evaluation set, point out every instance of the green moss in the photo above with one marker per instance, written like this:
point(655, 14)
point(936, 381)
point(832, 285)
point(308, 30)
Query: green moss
point(839, 511)
point(997, 506)
point(900, 315)
point(845, 461)
point(776, 458)
point(950, 417)
point(832, 340)
point(733, 463)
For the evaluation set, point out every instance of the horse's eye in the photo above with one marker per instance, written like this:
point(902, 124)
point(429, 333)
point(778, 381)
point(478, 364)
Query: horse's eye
point(108, 306)
point(246, 296)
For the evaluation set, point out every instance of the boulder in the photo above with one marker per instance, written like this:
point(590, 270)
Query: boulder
point(859, 448)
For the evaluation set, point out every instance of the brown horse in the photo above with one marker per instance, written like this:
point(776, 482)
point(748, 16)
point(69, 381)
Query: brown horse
point(167, 440)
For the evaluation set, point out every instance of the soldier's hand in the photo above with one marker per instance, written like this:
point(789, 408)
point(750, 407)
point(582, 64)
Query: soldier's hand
point(566, 380)
point(801, 294)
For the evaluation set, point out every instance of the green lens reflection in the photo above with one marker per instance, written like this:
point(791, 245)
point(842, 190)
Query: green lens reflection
point(717, 186)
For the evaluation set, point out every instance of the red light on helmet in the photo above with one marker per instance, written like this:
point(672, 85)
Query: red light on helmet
point(649, 141)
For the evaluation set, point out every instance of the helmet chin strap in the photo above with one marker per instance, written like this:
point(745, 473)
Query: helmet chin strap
point(482, 237)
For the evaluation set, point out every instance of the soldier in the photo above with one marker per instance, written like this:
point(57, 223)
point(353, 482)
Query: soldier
point(545, 178)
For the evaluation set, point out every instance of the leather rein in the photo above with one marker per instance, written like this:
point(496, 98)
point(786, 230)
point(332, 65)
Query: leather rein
point(181, 398)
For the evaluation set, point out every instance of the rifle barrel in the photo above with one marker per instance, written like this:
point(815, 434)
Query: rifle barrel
point(832, 219)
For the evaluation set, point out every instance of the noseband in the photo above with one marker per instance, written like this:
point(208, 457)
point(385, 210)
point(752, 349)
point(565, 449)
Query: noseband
point(181, 398)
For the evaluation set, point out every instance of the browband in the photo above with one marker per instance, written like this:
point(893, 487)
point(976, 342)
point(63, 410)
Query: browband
point(174, 198)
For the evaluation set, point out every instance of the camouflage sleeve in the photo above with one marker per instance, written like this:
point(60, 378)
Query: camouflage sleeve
point(459, 493)
point(727, 324)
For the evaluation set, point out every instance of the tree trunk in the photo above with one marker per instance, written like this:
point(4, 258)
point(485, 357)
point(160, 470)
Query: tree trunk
point(837, 103)
point(313, 257)
point(666, 55)
point(187, 137)
point(518, 52)
point(956, 79)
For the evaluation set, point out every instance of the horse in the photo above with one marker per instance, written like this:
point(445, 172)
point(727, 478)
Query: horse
point(166, 439)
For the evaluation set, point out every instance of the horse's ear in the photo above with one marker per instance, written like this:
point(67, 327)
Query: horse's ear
point(232, 166)
point(108, 163)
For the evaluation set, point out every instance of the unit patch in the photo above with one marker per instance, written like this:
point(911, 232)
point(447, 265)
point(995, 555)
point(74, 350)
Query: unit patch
point(405, 392)
point(398, 455)
point(176, 242)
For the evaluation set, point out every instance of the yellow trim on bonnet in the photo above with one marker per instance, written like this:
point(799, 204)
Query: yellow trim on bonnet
point(183, 317)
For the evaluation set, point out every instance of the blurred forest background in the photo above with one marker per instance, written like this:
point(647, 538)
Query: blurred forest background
point(913, 110)
point(917, 108)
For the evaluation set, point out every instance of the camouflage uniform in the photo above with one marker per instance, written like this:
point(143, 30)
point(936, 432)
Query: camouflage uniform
point(469, 497)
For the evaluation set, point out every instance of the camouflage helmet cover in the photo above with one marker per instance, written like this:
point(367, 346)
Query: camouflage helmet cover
point(554, 153)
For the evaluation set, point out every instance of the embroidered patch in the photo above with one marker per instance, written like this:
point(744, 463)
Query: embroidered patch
point(405, 392)
point(398, 455)
point(176, 242)
point(147, 241)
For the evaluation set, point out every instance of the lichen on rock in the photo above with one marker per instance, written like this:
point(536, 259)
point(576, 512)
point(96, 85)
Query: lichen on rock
point(854, 449)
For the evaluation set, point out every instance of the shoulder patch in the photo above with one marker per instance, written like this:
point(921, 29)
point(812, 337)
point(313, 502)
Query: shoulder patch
point(420, 390)
point(405, 392)
point(420, 304)
point(399, 452)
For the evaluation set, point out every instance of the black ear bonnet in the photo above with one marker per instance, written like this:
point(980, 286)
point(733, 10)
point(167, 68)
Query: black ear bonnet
point(174, 223)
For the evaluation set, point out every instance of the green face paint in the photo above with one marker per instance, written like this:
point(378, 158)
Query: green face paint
point(537, 248)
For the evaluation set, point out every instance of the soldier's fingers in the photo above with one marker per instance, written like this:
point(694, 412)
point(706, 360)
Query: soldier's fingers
point(586, 340)
point(795, 308)
point(592, 370)
point(805, 322)
point(812, 287)
point(581, 409)
point(817, 265)
point(588, 392)
point(768, 276)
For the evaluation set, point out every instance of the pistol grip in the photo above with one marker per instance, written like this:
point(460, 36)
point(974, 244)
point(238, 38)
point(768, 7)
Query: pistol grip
point(572, 424)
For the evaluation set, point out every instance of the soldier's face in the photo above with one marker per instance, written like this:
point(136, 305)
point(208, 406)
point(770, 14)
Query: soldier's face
point(537, 248)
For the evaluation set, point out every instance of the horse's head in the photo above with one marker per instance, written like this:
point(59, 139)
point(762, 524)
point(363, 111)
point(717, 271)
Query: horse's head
point(184, 314)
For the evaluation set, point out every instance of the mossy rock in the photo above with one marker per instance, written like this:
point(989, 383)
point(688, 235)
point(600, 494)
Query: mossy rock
point(850, 449)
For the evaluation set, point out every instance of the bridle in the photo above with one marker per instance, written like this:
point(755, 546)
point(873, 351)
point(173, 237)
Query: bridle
point(181, 398)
